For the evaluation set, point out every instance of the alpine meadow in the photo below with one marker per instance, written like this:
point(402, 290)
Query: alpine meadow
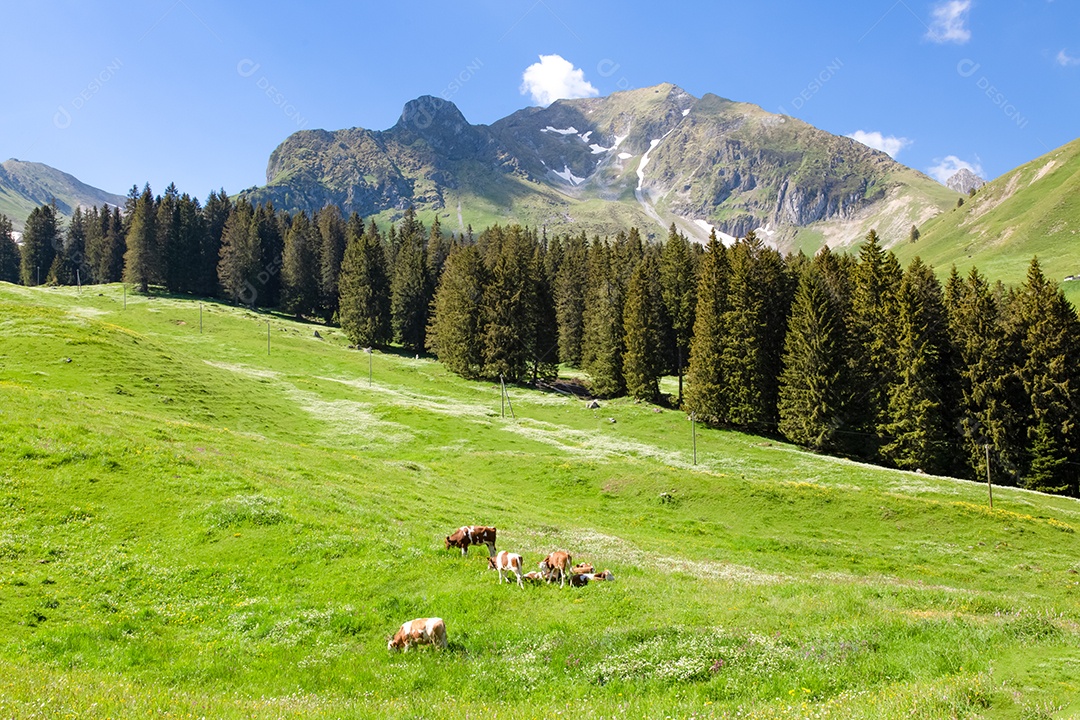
point(558, 391)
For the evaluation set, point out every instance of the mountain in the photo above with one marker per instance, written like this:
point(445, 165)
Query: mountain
point(1033, 210)
point(964, 181)
point(646, 157)
point(26, 185)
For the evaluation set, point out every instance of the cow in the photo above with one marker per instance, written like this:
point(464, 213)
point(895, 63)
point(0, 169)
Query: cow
point(557, 564)
point(468, 535)
point(579, 579)
point(600, 576)
point(533, 577)
point(581, 569)
point(510, 562)
point(421, 631)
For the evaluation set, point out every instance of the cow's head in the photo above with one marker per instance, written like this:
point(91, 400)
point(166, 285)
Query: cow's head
point(491, 564)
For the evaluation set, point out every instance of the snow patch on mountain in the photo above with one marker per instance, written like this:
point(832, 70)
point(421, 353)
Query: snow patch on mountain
point(569, 176)
point(564, 131)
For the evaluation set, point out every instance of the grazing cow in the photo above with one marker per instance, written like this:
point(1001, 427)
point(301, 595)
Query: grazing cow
point(557, 564)
point(510, 562)
point(533, 577)
point(581, 569)
point(421, 631)
point(468, 535)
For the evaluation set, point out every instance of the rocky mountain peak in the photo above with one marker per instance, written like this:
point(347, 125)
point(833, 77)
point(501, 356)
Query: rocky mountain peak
point(964, 181)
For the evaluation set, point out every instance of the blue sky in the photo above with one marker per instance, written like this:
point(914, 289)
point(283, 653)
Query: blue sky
point(200, 92)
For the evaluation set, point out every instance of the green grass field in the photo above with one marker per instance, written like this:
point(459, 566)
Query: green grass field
point(190, 527)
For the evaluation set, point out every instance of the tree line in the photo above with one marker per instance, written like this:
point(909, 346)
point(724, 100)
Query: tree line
point(850, 355)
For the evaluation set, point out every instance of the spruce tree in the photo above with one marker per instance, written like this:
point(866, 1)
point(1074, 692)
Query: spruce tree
point(437, 250)
point(873, 340)
point(814, 388)
point(602, 342)
point(571, 281)
point(678, 282)
point(455, 330)
point(141, 260)
point(175, 257)
point(216, 212)
point(991, 395)
point(9, 252)
point(643, 360)
point(1048, 330)
point(754, 334)
point(508, 302)
point(364, 288)
point(917, 429)
point(331, 251)
point(190, 240)
point(300, 268)
point(68, 266)
point(41, 237)
point(268, 230)
point(240, 256)
point(543, 340)
point(410, 288)
point(706, 396)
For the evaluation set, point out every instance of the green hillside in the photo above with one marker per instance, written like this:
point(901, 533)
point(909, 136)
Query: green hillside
point(1033, 210)
point(192, 527)
point(27, 185)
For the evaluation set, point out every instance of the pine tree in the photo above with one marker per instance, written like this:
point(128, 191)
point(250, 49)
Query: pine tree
point(300, 268)
point(570, 282)
point(437, 250)
point(41, 236)
point(917, 429)
point(814, 387)
point(141, 260)
point(643, 361)
point(240, 256)
point(410, 294)
point(706, 397)
point(332, 250)
point(364, 288)
point(268, 229)
point(602, 342)
point(9, 252)
point(455, 330)
point(678, 281)
point(1048, 331)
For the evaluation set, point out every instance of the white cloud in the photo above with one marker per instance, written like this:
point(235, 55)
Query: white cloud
point(1066, 60)
point(948, 22)
point(947, 166)
point(555, 78)
point(888, 144)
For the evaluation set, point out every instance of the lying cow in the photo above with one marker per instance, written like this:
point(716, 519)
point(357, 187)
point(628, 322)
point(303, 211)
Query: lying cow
point(582, 568)
point(598, 577)
point(468, 535)
point(508, 562)
point(579, 579)
point(421, 631)
point(533, 577)
point(556, 565)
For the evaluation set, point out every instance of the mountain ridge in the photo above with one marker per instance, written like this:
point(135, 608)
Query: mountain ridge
point(647, 157)
point(25, 185)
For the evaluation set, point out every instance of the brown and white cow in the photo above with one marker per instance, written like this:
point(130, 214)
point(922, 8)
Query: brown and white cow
point(598, 577)
point(533, 577)
point(421, 631)
point(468, 535)
point(557, 564)
point(509, 562)
point(582, 568)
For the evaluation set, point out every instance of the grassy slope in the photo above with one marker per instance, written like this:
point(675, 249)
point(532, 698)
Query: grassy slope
point(1033, 210)
point(191, 527)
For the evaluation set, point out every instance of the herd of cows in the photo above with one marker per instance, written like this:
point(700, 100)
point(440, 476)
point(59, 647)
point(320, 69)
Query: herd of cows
point(556, 566)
